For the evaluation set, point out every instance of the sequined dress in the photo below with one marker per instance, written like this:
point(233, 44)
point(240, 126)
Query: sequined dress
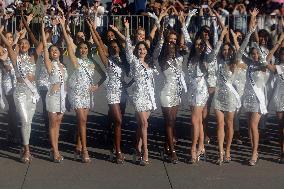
point(143, 91)
point(25, 67)
point(114, 88)
point(79, 84)
point(174, 83)
point(42, 76)
point(55, 98)
point(226, 97)
point(256, 81)
point(277, 100)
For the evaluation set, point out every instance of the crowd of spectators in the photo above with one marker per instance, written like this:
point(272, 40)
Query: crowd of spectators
point(229, 12)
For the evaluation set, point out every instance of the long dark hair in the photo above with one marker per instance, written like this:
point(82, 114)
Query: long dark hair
point(231, 50)
point(77, 53)
point(148, 58)
point(61, 53)
point(125, 65)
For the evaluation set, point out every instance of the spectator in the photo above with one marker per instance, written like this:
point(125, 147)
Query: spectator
point(240, 18)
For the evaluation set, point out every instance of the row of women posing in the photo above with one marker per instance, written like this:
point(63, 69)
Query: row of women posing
point(206, 71)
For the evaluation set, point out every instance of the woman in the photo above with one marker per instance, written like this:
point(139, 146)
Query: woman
point(276, 102)
point(81, 90)
point(143, 93)
point(25, 94)
point(55, 99)
point(198, 67)
point(9, 84)
point(117, 69)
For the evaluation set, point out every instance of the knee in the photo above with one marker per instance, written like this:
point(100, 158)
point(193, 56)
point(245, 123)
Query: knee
point(118, 121)
point(144, 124)
point(82, 121)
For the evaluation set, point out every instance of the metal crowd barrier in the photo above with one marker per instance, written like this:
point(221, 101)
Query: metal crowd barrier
point(77, 23)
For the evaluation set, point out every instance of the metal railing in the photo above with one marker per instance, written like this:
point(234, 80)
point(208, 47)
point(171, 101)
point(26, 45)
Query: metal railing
point(78, 23)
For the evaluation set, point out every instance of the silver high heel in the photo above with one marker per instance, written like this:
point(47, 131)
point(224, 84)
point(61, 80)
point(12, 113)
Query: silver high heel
point(25, 157)
point(54, 159)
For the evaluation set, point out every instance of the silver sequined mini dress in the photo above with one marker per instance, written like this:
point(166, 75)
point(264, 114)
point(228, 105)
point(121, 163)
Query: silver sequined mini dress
point(173, 85)
point(224, 98)
point(143, 92)
point(79, 84)
point(115, 93)
point(55, 99)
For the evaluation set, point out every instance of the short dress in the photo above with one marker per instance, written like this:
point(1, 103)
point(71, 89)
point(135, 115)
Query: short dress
point(115, 92)
point(174, 83)
point(254, 98)
point(55, 99)
point(143, 92)
point(79, 84)
point(226, 97)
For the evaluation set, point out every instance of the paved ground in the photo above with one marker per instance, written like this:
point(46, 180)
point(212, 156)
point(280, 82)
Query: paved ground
point(41, 173)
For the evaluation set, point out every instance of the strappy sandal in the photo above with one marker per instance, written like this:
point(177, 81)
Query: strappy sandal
point(56, 159)
point(25, 156)
point(85, 156)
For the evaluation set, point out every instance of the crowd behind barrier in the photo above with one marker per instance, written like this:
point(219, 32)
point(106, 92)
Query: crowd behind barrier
point(78, 23)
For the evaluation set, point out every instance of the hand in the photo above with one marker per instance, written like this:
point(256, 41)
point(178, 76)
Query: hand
point(224, 31)
point(21, 32)
point(113, 28)
point(126, 23)
point(29, 18)
point(254, 12)
point(192, 12)
point(62, 21)
point(181, 17)
point(152, 15)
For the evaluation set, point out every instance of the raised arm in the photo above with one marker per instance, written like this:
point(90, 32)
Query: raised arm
point(30, 32)
point(274, 49)
point(12, 54)
point(235, 39)
point(102, 53)
point(215, 51)
point(47, 61)
point(120, 35)
point(70, 48)
point(128, 47)
point(185, 24)
point(159, 45)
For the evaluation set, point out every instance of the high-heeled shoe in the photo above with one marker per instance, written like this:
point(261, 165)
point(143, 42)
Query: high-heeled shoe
point(173, 157)
point(220, 160)
point(119, 158)
point(25, 156)
point(253, 162)
point(136, 156)
point(85, 156)
point(194, 158)
point(207, 140)
point(144, 162)
point(201, 155)
point(57, 159)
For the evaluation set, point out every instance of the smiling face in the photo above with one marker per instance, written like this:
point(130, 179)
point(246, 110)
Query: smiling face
point(80, 37)
point(83, 50)
point(254, 55)
point(142, 51)
point(225, 51)
point(54, 53)
point(110, 35)
point(9, 37)
point(172, 38)
point(24, 46)
point(140, 36)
